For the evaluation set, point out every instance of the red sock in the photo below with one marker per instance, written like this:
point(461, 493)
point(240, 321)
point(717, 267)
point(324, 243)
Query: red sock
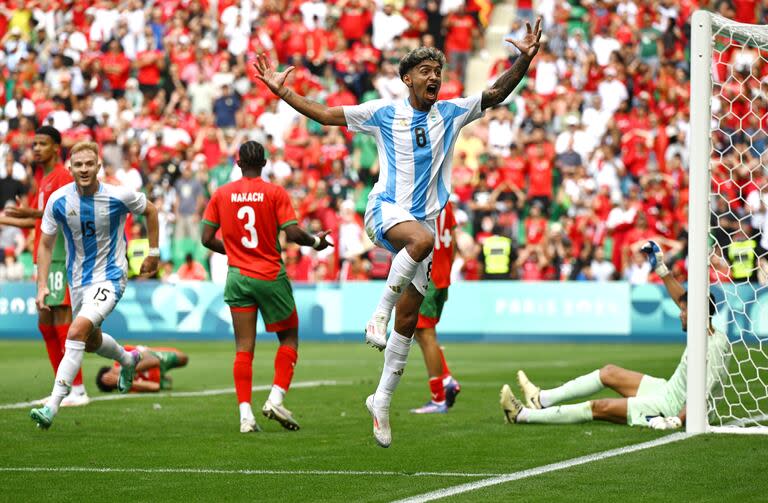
point(285, 361)
point(436, 389)
point(446, 370)
point(53, 345)
point(243, 372)
point(61, 333)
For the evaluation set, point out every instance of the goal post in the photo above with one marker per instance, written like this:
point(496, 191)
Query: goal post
point(728, 112)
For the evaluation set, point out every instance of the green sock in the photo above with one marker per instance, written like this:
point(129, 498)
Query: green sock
point(580, 387)
point(563, 414)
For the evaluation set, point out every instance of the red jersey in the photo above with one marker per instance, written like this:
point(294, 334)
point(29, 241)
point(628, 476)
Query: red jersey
point(251, 212)
point(50, 183)
point(442, 259)
point(117, 69)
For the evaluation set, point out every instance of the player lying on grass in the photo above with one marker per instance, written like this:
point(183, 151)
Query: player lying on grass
point(151, 372)
point(443, 387)
point(250, 213)
point(415, 139)
point(647, 400)
point(53, 322)
point(92, 215)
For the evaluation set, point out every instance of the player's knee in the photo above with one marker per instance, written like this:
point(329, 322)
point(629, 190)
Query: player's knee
point(421, 246)
point(608, 373)
point(598, 408)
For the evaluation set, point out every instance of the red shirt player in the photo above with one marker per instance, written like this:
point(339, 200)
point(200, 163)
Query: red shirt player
point(443, 387)
point(250, 213)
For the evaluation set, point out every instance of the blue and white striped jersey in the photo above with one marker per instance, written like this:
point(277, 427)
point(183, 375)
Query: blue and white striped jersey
point(94, 230)
point(415, 149)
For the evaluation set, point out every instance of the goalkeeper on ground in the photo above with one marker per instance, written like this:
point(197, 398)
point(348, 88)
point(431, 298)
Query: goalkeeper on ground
point(647, 400)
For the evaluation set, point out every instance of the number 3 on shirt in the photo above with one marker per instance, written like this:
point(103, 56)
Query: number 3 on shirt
point(246, 213)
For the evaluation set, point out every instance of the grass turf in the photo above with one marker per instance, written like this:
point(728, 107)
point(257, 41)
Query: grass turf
point(202, 433)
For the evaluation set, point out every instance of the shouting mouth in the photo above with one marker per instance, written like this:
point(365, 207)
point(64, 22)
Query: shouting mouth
point(432, 90)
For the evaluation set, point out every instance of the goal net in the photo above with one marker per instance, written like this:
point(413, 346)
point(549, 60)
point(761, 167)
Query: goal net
point(728, 225)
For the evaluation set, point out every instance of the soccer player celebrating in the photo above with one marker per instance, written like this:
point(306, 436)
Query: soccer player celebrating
point(415, 139)
point(647, 400)
point(53, 322)
point(92, 217)
point(251, 212)
point(151, 372)
point(442, 386)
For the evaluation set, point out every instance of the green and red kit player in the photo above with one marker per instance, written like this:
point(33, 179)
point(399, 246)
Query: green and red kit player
point(250, 213)
point(151, 371)
point(442, 386)
point(53, 324)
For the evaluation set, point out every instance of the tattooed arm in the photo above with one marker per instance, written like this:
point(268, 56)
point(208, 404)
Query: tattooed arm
point(508, 81)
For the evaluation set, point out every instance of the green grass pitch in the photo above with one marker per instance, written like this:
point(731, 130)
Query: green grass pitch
point(468, 444)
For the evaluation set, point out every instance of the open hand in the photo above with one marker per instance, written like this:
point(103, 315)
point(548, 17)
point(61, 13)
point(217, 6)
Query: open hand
point(324, 242)
point(265, 73)
point(42, 293)
point(529, 45)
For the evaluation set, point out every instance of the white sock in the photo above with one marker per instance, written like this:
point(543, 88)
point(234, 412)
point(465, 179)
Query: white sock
point(111, 349)
point(78, 389)
point(447, 380)
point(395, 358)
point(580, 387)
point(401, 274)
point(70, 364)
point(276, 395)
point(245, 411)
point(563, 414)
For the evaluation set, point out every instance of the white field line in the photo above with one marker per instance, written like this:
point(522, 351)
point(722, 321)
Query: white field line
point(182, 394)
point(207, 471)
point(532, 472)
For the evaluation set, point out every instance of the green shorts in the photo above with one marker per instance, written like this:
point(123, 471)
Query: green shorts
point(432, 306)
point(273, 299)
point(651, 401)
point(57, 284)
point(168, 360)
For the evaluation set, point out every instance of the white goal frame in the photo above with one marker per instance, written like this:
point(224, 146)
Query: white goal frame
point(702, 25)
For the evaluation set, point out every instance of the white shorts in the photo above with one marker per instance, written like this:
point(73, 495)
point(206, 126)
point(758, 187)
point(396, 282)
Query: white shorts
point(651, 400)
point(380, 216)
point(94, 302)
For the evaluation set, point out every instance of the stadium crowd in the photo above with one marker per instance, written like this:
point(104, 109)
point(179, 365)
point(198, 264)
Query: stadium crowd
point(577, 170)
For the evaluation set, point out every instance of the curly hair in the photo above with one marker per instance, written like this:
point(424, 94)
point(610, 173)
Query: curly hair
point(419, 55)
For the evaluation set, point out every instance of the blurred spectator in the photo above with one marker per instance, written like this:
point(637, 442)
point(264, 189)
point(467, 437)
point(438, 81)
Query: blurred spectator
point(191, 270)
point(188, 204)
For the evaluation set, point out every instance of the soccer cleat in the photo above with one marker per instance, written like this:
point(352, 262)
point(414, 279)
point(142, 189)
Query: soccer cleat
point(127, 373)
point(249, 425)
point(381, 431)
point(281, 415)
point(452, 390)
point(431, 408)
point(510, 404)
point(42, 416)
point(531, 391)
point(376, 331)
point(76, 400)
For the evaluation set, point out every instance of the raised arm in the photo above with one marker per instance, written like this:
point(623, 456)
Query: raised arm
point(656, 258)
point(508, 81)
point(275, 81)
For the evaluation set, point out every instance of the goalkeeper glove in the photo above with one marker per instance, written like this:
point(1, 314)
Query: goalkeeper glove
point(655, 258)
point(665, 423)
